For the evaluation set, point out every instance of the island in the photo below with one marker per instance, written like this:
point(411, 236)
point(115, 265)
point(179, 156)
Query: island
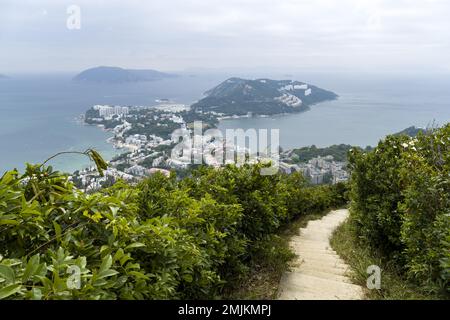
point(144, 133)
point(237, 96)
point(120, 75)
point(3, 77)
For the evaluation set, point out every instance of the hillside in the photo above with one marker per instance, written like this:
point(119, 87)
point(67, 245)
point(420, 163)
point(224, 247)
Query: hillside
point(400, 200)
point(118, 75)
point(237, 96)
point(410, 131)
point(304, 154)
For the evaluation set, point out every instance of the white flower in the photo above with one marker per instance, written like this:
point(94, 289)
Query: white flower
point(404, 145)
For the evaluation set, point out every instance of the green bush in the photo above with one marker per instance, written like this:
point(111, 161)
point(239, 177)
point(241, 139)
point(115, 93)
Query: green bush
point(162, 239)
point(400, 195)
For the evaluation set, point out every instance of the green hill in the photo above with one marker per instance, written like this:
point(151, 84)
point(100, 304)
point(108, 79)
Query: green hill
point(411, 131)
point(237, 96)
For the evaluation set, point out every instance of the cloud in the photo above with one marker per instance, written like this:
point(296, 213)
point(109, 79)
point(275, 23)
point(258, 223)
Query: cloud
point(179, 34)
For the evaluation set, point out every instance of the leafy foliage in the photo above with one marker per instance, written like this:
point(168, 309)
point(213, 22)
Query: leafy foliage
point(162, 239)
point(400, 196)
point(304, 154)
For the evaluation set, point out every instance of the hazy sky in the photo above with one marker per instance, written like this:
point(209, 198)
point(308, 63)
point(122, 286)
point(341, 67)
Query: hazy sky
point(173, 35)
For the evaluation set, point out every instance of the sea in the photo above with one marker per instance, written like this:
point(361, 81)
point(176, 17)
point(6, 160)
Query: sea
point(39, 114)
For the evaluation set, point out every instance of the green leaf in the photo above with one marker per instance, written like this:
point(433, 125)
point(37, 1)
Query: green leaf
point(32, 266)
point(138, 274)
point(106, 264)
point(124, 259)
point(57, 230)
point(36, 294)
point(135, 245)
point(7, 273)
point(7, 221)
point(106, 273)
point(104, 248)
point(187, 278)
point(8, 177)
point(48, 284)
point(118, 255)
point(9, 290)
point(99, 162)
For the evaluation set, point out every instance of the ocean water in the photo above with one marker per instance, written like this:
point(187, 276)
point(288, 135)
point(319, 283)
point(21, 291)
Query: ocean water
point(38, 115)
point(38, 112)
point(369, 108)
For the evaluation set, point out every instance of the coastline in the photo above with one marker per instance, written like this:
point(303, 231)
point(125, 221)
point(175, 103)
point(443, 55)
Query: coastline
point(173, 109)
point(111, 140)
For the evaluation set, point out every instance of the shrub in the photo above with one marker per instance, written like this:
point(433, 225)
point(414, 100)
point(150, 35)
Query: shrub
point(400, 202)
point(162, 239)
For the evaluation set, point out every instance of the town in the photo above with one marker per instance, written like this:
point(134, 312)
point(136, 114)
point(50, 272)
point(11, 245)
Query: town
point(145, 137)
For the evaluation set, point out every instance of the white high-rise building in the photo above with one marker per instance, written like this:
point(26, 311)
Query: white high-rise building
point(109, 111)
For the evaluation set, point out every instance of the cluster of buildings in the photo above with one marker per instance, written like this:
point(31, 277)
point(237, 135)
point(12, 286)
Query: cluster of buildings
point(140, 171)
point(146, 154)
point(150, 149)
point(107, 112)
point(320, 170)
point(89, 179)
point(290, 100)
point(137, 140)
point(292, 87)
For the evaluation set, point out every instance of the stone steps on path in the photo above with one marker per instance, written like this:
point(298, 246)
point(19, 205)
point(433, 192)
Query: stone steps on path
point(318, 273)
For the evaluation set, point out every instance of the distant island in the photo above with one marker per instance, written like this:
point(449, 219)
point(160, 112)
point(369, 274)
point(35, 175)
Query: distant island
point(238, 97)
point(2, 76)
point(411, 131)
point(120, 75)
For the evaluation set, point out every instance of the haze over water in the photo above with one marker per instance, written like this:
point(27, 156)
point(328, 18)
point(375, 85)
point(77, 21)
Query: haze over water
point(38, 112)
point(369, 107)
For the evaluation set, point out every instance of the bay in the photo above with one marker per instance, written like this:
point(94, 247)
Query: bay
point(369, 108)
point(38, 112)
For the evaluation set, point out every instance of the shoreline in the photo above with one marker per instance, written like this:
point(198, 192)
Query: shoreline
point(124, 148)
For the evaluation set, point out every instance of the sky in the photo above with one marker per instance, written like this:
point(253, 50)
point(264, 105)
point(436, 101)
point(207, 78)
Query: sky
point(184, 35)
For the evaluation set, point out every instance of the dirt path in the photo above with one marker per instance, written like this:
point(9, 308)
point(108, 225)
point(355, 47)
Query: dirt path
point(318, 273)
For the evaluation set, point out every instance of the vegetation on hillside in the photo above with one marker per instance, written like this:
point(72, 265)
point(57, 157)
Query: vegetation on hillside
point(304, 154)
point(412, 131)
point(162, 239)
point(236, 96)
point(400, 204)
point(360, 255)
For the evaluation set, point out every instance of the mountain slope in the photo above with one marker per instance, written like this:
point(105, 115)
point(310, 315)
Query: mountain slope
point(116, 74)
point(412, 131)
point(261, 96)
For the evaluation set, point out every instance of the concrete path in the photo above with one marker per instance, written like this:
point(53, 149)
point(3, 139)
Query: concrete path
point(318, 273)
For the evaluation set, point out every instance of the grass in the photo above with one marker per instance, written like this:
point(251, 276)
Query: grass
point(263, 278)
point(359, 256)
